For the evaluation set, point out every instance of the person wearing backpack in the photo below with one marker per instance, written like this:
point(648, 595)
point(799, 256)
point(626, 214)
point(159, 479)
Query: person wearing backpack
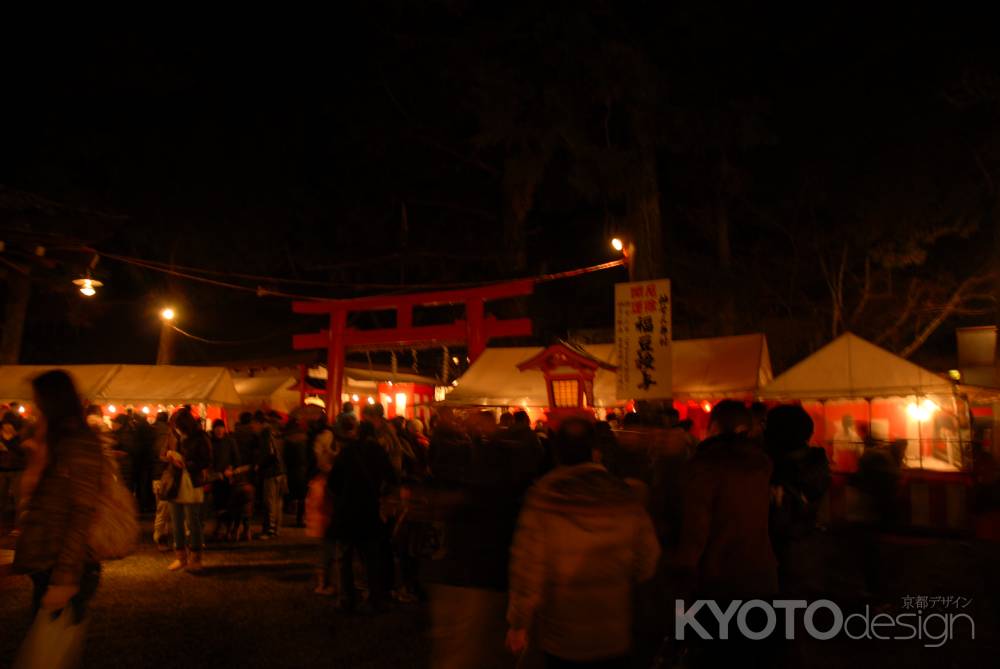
point(53, 548)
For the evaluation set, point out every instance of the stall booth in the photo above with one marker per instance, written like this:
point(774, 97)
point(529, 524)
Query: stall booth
point(141, 389)
point(400, 393)
point(704, 372)
point(859, 396)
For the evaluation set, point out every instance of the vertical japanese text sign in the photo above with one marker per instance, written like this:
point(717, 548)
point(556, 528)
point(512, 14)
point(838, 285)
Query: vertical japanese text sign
point(643, 336)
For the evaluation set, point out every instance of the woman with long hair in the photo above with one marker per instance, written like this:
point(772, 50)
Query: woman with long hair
point(189, 459)
point(62, 498)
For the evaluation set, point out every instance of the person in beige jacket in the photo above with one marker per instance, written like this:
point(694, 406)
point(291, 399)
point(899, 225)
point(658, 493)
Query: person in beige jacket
point(582, 543)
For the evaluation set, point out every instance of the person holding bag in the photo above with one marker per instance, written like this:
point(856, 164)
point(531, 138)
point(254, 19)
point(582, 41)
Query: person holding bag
point(188, 462)
point(56, 527)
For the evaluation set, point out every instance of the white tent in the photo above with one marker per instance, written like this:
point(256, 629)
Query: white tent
point(851, 367)
point(171, 384)
point(273, 390)
point(163, 384)
point(702, 368)
point(15, 380)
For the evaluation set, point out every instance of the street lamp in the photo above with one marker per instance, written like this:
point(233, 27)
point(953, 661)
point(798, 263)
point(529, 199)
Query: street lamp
point(165, 349)
point(627, 249)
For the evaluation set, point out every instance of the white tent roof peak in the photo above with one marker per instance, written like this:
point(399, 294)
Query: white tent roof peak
point(702, 369)
point(852, 367)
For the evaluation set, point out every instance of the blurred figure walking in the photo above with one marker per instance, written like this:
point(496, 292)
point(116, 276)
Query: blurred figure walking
point(582, 543)
point(53, 548)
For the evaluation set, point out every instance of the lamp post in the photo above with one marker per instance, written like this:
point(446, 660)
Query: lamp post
point(165, 350)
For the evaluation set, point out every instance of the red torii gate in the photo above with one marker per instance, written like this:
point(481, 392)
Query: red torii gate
point(475, 330)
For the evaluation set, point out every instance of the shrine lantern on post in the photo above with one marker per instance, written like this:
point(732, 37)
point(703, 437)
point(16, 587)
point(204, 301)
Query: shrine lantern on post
point(569, 380)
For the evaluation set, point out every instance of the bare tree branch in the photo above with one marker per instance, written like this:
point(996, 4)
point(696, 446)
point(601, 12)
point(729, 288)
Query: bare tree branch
point(946, 311)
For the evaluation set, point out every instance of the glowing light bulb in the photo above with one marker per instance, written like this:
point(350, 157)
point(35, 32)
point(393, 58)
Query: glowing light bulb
point(354, 398)
point(20, 409)
point(706, 406)
point(88, 287)
point(112, 408)
point(617, 244)
point(921, 412)
point(168, 314)
point(371, 400)
point(454, 359)
point(145, 410)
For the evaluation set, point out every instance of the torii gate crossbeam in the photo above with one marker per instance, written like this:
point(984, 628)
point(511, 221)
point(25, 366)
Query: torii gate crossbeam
point(475, 330)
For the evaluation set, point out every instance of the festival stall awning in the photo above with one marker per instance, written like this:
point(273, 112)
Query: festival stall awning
point(162, 384)
point(702, 368)
point(171, 384)
point(15, 380)
point(850, 367)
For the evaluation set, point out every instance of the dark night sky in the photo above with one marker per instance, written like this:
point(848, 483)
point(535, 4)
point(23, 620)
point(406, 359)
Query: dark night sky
point(291, 150)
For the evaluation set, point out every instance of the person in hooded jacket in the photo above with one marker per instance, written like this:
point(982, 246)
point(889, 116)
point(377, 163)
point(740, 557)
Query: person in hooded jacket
point(583, 541)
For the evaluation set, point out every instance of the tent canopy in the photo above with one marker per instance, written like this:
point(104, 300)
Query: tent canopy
point(850, 367)
point(275, 390)
point(165, 384)
point(702, 368)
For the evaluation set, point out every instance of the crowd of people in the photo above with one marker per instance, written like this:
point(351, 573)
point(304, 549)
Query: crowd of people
point(569, 544)
point(526, 540)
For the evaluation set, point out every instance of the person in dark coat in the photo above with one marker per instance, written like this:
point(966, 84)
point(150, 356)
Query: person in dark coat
point(450, 448)
point(145, 443)
point(360, 476)
point(296, 458)
point(243, 490)
point(225, 458)
point(877, 482)
point(724, 551)
point(124, 435)
point(271, 474)
point(800, 479)
point(460, 525)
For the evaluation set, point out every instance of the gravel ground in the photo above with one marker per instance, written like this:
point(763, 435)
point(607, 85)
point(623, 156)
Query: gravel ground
point(252, 606)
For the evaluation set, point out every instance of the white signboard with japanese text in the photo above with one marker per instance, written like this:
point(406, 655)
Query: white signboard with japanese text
point(643, 337)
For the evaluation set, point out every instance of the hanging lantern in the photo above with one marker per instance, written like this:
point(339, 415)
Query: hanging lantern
point(88, 286)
